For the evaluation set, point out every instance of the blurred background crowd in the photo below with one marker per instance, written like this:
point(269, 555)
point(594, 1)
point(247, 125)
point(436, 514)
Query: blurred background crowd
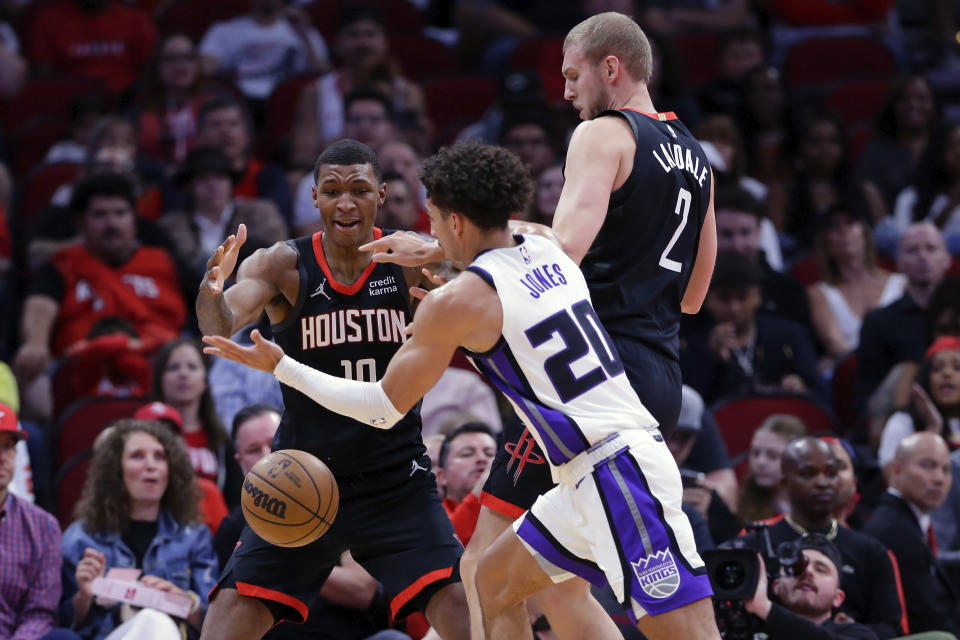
point(135, 136)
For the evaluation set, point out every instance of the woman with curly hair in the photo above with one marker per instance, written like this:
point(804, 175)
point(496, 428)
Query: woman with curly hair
point(181, 379)
point(138, 510)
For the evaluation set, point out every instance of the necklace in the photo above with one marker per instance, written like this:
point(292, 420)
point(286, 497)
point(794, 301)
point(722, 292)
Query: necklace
point(830, 535)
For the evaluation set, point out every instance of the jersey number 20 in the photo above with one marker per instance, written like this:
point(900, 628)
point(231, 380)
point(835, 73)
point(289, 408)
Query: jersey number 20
point(682, 209)
point(579, 332)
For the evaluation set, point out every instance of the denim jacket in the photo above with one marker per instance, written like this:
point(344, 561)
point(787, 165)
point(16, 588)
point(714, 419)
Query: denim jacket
point(182, 554)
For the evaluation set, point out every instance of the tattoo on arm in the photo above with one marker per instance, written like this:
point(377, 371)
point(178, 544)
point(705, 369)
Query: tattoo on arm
point(214, 315)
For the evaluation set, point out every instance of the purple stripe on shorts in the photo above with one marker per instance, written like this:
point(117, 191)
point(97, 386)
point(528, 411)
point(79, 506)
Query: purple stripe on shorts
point(533, 533)
point(655, 571)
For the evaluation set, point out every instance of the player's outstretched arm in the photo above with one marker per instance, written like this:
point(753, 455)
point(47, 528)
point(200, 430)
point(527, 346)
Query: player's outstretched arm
point(593, 160)
point(224, 313)
point(406, 249)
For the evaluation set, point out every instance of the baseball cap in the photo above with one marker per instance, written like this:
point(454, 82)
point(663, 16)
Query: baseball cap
point(521, 88)
point(734, 270)
point(160, 411)
point(819, 542)
point(691, 410)
point(9, 424)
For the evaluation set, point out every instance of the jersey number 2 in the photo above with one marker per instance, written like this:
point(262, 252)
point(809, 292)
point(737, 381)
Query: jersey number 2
point(682, 209)
point(579, 333)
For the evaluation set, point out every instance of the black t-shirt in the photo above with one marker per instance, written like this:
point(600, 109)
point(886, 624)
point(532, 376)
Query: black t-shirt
point(782, 624)
point(138, 536)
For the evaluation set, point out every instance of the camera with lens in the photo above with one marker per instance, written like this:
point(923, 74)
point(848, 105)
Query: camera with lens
point(735, 572)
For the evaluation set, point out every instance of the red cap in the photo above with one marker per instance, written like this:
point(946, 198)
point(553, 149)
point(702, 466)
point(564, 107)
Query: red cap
point(943, 343)
point(160, 411)
point(9, 424)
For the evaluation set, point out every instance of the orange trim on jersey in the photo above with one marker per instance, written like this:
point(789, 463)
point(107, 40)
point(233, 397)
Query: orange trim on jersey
point(903, 602)
point(345, 289)
point(502, 507)
point(669, 115)
point(252, 590)
point(407, 594)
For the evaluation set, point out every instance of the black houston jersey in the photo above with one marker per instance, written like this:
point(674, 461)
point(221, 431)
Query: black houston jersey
point(640, 262)
point(348, 331)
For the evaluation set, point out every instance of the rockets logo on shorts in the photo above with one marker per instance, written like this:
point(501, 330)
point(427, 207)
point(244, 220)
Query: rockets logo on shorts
point(657, 574)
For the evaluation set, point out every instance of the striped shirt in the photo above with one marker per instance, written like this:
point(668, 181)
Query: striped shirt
point(29, 570)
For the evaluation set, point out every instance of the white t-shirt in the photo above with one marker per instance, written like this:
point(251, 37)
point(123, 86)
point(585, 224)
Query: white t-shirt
point(260, 56)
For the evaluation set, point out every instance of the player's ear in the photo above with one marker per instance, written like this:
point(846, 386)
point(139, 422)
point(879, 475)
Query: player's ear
point(316, 203)
point(382, 194)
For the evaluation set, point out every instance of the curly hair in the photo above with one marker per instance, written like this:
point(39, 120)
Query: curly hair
point(216, 433)
point(486, 184)
point(105, 503)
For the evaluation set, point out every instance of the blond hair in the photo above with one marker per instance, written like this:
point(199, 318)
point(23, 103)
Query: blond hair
point(614, 34)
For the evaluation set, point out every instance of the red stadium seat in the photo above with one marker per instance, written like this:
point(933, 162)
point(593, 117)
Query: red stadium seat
point(858, 101)
point(41, 185)
point(31, 142)
point(423, 58)
point(827, 61)
point(46, 97)
point(401, 17)
point(805, 271)
point(79, 425)
point(194, 18)
point(700, 54)
point(842, 386)
point(739, 416)
point(456, 102)
point(282, 105)
point(69, 485)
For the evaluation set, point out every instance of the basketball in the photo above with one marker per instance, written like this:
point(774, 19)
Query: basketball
point(290, 498)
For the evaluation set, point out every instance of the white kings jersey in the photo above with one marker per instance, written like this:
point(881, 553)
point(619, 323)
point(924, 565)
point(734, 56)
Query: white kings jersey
point(554, 360)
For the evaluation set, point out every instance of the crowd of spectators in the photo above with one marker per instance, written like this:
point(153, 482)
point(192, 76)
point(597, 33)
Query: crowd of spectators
point(136, 135)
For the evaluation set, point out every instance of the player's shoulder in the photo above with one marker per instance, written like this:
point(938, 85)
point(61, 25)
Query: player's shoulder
point(603, 131)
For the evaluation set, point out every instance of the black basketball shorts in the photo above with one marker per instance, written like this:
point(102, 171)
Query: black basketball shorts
point(402, 537)
point(520, 471)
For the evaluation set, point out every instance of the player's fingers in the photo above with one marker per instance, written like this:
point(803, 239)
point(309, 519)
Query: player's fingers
point(257, 337)
point(408, 330)
point(375, 245)
point(435, 278)
point(418, 292)
point(241, 234)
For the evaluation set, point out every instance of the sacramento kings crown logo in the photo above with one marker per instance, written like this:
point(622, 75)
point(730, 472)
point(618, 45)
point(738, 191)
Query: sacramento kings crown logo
point(657, 574)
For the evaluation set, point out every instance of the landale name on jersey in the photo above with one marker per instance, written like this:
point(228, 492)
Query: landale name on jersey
point(382, 286)
point(677, 157)
point(353, 325)
point(542, 278)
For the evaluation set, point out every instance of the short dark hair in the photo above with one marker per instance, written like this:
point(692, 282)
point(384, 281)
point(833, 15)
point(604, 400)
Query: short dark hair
point(102, 185)
point(467, 427)
point(735, 271)
point(348, 152)
point(484, 183)
point(370, 94)
point(359, 12)
point(515, 120)
point(743, 34)
point(250, 412)
point(220, 103)
point(735, 198)
point(390, 174)
point(946, 297)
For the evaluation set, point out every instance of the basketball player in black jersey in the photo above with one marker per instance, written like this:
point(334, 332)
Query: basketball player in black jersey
point(345, 315)
point(636, 213)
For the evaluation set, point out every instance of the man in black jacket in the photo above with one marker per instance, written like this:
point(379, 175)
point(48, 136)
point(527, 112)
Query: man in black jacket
point(867, 576)
point(806, 602)
point(920, 478)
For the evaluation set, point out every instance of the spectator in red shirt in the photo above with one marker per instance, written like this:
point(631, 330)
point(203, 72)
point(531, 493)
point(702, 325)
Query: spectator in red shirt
point(98, 39)
point(465, 458)
point(107, 274)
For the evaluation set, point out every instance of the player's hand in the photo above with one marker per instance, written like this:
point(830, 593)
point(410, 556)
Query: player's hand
point(404, 249)
point(436, 278)
point(92, 565)
point(759, 604)
point(222, 263)
point(31, 360)
point(263, 355)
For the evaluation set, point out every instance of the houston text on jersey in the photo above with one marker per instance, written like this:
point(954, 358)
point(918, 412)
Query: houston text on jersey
point(353, 325)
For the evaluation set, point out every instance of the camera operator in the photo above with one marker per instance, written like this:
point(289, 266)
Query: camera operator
point(805, 602)
point(810, 481)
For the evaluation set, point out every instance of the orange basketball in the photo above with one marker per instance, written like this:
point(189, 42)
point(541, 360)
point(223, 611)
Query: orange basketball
point(290, 498)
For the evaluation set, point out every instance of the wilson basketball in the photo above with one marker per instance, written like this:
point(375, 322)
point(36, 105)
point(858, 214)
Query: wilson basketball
point(290, 498)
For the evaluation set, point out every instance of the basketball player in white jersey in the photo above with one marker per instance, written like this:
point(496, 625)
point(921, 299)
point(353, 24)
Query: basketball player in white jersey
point(522, 312)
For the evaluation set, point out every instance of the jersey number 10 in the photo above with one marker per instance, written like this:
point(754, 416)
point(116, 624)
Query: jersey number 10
point(580, 332)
